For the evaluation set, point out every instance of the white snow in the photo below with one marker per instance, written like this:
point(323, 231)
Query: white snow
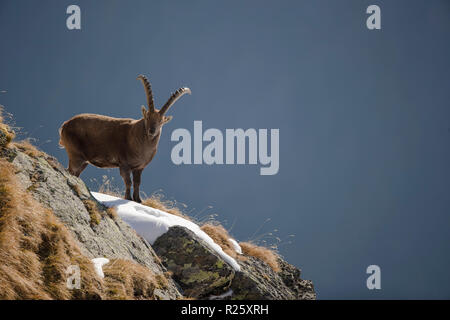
point(98, 264)
point(229, 293)
point(235, 245)
point(151, 223)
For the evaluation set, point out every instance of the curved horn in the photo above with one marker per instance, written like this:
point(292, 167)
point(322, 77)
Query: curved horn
point(173, 98)
point(148, 92)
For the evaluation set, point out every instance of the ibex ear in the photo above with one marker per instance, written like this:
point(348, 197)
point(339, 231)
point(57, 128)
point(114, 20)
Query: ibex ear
point(167, 119)
point(144, 111)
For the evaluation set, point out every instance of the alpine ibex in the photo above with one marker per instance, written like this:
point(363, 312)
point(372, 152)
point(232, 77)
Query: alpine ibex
point(108, 142)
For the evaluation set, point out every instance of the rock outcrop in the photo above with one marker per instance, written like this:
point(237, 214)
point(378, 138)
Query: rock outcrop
point(257, 281)
point(198, 269)
point(202, 274)
point(195, 270)
point(69, 199)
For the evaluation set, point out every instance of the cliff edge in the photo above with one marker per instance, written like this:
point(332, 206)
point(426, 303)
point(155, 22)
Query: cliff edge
point(52, 230)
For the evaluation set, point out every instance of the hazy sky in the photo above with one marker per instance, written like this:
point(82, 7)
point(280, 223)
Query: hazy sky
point(364, 119)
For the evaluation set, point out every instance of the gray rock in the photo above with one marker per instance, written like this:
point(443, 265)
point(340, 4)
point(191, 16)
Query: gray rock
point(65, 194)
point(302, 289)
point(257, 281)
point(196, 268)
point(3, 138)
point(8, 153)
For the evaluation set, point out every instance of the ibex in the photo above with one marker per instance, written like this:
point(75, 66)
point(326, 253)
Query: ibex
point(108, 142)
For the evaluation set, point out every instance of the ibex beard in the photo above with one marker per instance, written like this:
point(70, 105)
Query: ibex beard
point(107, 142)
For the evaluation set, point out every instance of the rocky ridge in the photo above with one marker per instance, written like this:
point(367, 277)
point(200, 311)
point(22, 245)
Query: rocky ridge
point(195, 270)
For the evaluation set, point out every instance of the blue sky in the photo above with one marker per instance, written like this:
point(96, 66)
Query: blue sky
point(363, 118)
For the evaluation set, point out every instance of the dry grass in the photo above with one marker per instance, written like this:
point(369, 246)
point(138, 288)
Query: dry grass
point(94, 212)
point(112, 213)
point(92, 207)
point(157, 201)
point(125, 280)
point(36, 249)
point(29, 149)
point(186, 298)
point(221, 237)
point(265, 254)
point(107, 187)
point(75, 188)
point(6, 133)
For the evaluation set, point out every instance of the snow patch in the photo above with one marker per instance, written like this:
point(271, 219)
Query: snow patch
point(235, 245)
point(151, 223)
point(98, 264)
point(229, 293)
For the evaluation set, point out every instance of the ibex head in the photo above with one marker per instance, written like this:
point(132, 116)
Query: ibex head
point(155, 119)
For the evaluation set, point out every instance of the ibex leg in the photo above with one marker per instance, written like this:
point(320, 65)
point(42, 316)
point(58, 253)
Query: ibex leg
point(125, 174)
point(76, 165)
point(136, 184)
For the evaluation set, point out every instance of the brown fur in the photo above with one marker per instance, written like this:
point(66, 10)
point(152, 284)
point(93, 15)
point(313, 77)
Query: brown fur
point(108, 142)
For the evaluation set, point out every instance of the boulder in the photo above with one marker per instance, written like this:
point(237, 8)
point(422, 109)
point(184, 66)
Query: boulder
point(195, 267)
point(257, 281)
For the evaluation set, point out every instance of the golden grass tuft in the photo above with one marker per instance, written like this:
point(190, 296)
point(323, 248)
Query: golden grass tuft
point(36, 249)
point(112, 213)
point(157, 201)
point(93, 208)
point(125, 280)
point(265, 254)
point(94, 212)
point(6, 133)
point(75, 188)
point(29, 149)
point(221, 237)
point(107, 187)
point(186, 298)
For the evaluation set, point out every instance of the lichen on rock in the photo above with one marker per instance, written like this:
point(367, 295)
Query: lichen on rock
point(196, 268)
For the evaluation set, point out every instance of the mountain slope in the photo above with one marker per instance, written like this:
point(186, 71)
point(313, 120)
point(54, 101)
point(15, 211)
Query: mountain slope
point(50, 221)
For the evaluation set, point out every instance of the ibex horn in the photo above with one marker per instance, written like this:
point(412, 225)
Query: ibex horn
point(173, 98)
point(148, 92)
